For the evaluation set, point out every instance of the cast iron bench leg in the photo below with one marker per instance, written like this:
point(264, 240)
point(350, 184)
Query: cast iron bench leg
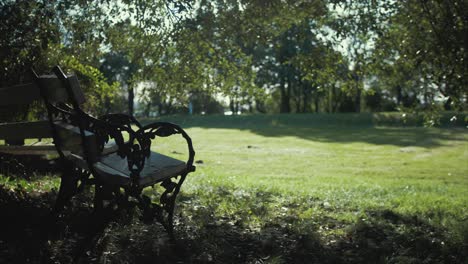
point(167, 200)
point(68, 187)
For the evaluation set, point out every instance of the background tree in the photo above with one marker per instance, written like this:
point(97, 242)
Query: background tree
point(425, 44)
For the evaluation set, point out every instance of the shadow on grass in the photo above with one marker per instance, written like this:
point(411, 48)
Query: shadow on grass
point(341, 128)
point(29, 235)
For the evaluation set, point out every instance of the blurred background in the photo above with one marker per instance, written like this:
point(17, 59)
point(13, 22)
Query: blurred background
point(153, 58)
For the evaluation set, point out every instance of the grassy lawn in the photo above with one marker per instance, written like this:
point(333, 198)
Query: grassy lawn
point(350, 169)
point(315, 189)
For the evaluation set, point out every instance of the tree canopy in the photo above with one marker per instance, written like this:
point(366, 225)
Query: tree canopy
point(246, 55)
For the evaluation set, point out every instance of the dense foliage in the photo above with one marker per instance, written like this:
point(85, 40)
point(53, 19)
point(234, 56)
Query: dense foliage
point(248, 55)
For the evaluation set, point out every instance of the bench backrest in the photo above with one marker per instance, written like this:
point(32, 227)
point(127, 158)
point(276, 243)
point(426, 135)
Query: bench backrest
point(15, 133)
point(26, 94)
point(63, 96)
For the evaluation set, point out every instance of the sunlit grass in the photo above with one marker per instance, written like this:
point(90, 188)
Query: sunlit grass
point(337, 171)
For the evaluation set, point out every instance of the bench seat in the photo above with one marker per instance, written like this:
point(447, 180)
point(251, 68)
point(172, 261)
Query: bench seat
point(158, 167)
point(114, 170)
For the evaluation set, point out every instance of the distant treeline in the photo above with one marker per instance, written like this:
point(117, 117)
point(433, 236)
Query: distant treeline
point(318, 120)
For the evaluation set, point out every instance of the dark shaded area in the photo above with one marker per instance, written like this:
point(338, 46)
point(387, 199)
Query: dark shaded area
point(340, 128)
point(29, 235)
point(23, 166)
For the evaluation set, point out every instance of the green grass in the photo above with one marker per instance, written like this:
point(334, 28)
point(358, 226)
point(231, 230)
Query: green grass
point(352, 168)
point(339, 181)
point(325, 173)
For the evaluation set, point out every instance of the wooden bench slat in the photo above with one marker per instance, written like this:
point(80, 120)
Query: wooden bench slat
point(27, 93)
point(19, 94)
point(55, 90)
point(43, 148)
point(29, 150)
point(158, 167)
point(70, 140)
point(24, 130)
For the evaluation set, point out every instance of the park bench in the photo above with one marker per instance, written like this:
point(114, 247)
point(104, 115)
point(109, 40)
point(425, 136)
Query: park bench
point(16, 152)
point(119, 176)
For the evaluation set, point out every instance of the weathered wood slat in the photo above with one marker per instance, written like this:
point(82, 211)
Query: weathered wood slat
point(19, 94)
point(42, 148)
point(114, 170)
point(70, 140)
point(27, 93)
point(45, 149)
point(24, 130)
point(76, 89)
point(109, 148)
point(56, 92)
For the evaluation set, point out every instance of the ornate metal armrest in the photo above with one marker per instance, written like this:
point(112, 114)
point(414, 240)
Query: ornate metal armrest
point(120, 120)
point(165, 129)
point(112, 127)
point(138, 147)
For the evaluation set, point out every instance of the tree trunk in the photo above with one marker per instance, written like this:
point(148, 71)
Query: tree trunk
point(305, 99)
point(298, 104)
point(169, 109)
point(358, 100)
point(131, 97)
point(231, 106)
point(448, 104)
point(399, 97)
point(148, 109)
point(288, 92)
point(284, 107)
point(337, 97)
point(234, 106)
point(107, 105)
point(260, 107)
point(316, 102)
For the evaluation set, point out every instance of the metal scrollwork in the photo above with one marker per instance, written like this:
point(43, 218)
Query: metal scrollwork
point(164, 129)
point(138, 145)
point(136, 149)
